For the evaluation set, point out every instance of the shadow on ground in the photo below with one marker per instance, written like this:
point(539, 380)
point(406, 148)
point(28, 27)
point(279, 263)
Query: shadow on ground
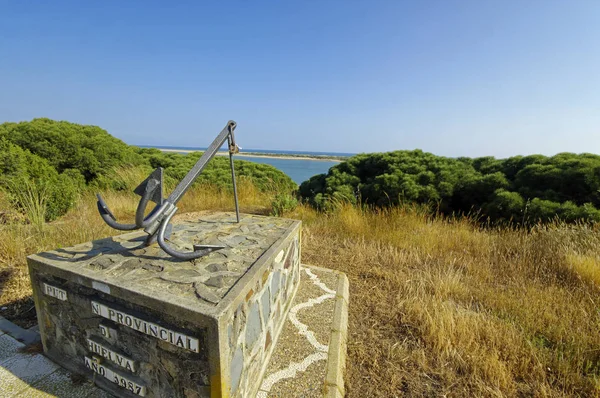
point(20, 312)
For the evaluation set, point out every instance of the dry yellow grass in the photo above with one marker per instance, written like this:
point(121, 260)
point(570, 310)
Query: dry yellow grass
point(438, 307)
point(444, 308)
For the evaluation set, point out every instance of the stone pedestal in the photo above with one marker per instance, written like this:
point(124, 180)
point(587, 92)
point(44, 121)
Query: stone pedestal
point(144, 324)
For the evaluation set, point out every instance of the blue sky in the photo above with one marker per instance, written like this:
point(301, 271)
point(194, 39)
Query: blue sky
point(456, 78)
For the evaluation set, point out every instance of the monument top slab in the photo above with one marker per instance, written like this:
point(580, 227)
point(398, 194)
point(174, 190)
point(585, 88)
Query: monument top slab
point(126, 264)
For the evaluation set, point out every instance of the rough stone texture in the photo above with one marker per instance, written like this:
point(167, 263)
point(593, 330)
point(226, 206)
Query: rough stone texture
point(259, 318)
point(234, 301)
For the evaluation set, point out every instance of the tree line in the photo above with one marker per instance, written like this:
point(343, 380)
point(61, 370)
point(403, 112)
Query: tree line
point(55, 161)
point(58, 160)
point(523, 189)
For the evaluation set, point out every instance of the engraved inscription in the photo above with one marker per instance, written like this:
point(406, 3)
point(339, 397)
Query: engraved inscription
point(149, 328)
point(115, 377)
point(52, 291)
point(111, 355)
point(107, 333)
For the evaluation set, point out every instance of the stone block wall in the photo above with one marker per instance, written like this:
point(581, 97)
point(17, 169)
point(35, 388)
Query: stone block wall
point(92, 331)
point(258, 319)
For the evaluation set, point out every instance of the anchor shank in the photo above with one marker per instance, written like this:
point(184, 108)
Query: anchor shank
point(210, 152)
point(235, 197)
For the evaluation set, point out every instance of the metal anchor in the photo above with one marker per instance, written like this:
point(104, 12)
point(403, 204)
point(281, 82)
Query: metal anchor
point(157, 223)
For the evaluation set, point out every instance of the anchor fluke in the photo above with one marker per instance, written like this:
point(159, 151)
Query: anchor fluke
point(109, 217)
point(199, 250)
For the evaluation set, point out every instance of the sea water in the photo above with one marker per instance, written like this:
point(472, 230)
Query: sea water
point(299, 170)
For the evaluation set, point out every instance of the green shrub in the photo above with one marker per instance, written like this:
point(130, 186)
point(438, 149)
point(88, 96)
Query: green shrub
point(265, 177)
point(64, 193)
point(32, 184)
point(505, 206)
point(29, 197)
point(522, 188)
point(46, 164)
point(283, 203)
point(89, 149)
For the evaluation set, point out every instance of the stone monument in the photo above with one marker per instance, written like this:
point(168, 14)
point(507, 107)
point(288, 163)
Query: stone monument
point(198, 316)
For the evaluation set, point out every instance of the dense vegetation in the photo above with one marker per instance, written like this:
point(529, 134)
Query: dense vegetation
point(176, 166)
point(45, 165)
point(523, 189)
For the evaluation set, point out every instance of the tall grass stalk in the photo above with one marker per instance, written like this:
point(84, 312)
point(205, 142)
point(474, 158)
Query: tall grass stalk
point(32, 198)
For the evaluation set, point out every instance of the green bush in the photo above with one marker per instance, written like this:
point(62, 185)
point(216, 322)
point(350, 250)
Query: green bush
point(518, 189)
point(46, 164)
point(282, 203)
point(505, 206)
point(28, 182)
point(89, 149)
point(217, 172)
point(64, 192)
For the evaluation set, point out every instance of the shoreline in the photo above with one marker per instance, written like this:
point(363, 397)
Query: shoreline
point(257, 155)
